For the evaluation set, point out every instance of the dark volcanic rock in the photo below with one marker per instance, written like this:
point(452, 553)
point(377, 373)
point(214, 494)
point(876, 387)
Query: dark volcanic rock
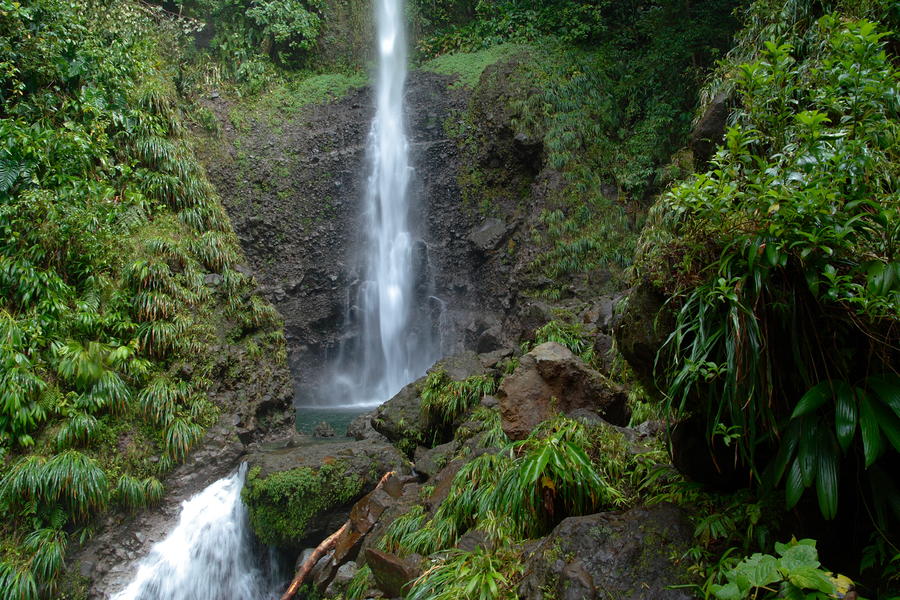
point(709, 131)
point(642, 329)
point(550, 379)
point(400, 419)
point(323, 430)
point(610, 555)
point(392, 573)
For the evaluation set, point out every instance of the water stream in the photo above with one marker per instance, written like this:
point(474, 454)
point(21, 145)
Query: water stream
point(390, 307)
point(210, 555)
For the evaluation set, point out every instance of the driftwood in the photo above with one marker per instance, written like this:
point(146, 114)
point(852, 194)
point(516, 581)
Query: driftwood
point(326, 546)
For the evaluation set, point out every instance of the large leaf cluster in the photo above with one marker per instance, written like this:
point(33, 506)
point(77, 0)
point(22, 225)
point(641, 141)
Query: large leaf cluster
point(788, 276)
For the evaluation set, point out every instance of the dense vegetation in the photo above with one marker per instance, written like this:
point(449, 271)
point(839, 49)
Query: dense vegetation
point(109, 231)
point(779, 259)
point(781, 262)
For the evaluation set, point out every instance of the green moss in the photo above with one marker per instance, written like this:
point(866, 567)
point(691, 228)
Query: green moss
point(469, 65)
point(283, 504)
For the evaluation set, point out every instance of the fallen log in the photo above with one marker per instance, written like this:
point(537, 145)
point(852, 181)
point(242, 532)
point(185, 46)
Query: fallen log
point(326, 546)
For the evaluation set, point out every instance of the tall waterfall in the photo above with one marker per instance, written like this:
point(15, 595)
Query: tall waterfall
point(210, 555)
point(390, 308)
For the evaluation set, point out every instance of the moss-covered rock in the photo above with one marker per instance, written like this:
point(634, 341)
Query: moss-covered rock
point(298, 495)
point(282, 504)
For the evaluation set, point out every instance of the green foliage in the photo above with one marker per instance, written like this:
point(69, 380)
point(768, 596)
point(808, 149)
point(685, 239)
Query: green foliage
point(609, 113)
point(480, 575)
point(359, 584)
point(469, 66)
point(445, 400)
point(38, 486)
point(524, 490)
point(247, 35)
point(792, 236)
point(107, 225)
point(282, 504)
point(564, 468)
point(796, 572)
point(569, 334)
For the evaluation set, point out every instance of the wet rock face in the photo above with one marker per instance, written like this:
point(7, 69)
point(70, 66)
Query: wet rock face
point(294, 188)
point(610, 555)
point(550, 379)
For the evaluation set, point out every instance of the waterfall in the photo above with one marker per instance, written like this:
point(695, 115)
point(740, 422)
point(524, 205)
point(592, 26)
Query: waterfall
point(390, 309)
point(210, 555)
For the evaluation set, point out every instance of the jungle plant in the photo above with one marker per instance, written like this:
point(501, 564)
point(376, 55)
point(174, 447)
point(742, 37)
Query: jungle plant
point(444, 400)
point(795, 231)
point(795, 573)
point(480, 575)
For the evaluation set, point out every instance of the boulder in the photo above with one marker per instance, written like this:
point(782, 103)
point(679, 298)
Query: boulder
point(429, 462)
point(611, 555)
point(488, 236)
point(323, 430)
point(400, 419)
point(297, 496)
point(551, 379)
point(641, 330)
point(392, 573)
point(360, 428)
point(709, 131)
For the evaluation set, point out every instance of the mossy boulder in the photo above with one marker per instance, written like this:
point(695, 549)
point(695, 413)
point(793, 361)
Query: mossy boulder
point(297, 495)
point(623, 555)
point(283, 504)
point(401, 419)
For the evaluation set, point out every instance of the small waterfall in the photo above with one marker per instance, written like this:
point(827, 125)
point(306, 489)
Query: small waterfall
point(390, 309)
point(210, 555)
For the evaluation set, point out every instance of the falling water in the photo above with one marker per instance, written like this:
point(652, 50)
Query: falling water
point(389, 306)
point(210, 555)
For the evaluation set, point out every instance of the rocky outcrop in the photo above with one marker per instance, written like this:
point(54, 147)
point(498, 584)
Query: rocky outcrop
point(300, 494)
point(641, 330)
point(551, 379)
point(624, 556)
point(709, 131)
point(392, 573)
point(401, 420)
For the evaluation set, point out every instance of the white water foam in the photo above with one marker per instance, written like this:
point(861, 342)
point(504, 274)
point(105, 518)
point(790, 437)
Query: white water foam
point(210, 555)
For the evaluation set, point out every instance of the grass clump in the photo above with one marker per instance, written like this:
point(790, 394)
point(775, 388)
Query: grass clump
point(445, 400)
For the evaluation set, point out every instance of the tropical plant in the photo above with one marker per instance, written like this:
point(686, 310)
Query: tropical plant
point(791, 237)
point(444, 400)
point(795, 573)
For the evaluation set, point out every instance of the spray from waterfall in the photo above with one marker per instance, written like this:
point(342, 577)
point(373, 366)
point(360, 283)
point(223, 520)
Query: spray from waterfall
point(390, 307)
point(210, 555)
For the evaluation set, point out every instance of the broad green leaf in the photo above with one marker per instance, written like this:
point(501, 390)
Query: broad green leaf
point(887, 388)
point(729, 591)
point(870, 430)
point(760, 569)
point(794, 485)
point(890, 424)
point(845, 413)
point(811, 578)
point(789, 444)
point(813, 399)
point(798, 556)
point(827, 476)
point(808, 452)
